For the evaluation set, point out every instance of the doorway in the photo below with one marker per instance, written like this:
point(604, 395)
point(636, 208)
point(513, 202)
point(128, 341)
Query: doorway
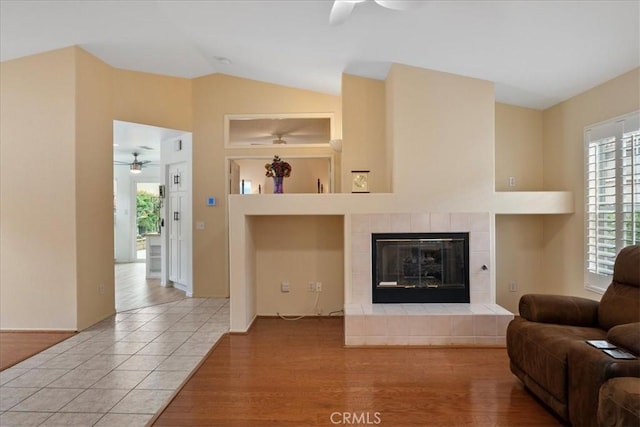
point(139, 212)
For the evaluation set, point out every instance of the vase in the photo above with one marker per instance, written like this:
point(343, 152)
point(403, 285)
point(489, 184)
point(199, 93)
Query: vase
point(277, 184)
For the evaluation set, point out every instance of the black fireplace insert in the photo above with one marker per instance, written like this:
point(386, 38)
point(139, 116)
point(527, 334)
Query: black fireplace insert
point(420, 267)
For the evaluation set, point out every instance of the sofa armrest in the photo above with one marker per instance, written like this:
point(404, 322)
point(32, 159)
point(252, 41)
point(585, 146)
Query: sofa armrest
point(559, 309)
point(626, 336)
point(589, 368)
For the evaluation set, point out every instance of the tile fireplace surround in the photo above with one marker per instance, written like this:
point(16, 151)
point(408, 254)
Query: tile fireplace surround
point(481, 322)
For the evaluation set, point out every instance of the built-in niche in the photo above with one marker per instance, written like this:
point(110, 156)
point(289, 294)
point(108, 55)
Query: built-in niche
point(278, 130)
point(310, 174)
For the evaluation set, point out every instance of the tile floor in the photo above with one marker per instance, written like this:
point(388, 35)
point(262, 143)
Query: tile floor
point(119, 372)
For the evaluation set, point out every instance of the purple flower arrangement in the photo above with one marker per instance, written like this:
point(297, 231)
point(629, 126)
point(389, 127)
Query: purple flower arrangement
point(278, 168)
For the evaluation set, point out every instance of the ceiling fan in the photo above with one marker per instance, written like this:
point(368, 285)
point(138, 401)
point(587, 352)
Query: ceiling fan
point(135, 166)
point(278, 140)
point(342, 8)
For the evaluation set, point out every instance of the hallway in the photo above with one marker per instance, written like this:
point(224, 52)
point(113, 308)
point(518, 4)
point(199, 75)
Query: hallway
point(134, 290)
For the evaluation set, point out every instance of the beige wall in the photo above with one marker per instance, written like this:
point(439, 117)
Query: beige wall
point(152, 99)
point(57, 109)
point(519, 258)
point(297, 250)
point(364, 133)
point(544, 151)
point(563, 127)
point(94, 190)
point(519, 249)
point(38, 282)
point(443, 132)
point(518, 148)
point(213, 97)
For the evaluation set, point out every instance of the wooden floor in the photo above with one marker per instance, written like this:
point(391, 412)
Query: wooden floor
point(134, 290)
point(297, 373)
point(18, 346)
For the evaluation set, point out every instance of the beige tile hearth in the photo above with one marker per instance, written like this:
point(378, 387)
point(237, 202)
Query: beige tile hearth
point(426, 324)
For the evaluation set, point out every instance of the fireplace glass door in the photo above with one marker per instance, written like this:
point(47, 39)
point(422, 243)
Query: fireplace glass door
point(424, 267)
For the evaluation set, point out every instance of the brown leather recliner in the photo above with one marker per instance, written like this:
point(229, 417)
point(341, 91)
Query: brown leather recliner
point(547, 348)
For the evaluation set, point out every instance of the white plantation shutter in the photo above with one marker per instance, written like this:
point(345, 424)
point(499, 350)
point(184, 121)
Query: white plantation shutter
point(630, 209)
point(612, 195)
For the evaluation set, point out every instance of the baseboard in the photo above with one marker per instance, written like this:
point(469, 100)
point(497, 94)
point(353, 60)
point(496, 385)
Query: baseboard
point(40, 331)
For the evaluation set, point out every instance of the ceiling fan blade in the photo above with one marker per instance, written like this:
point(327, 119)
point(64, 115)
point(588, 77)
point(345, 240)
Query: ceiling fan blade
point(285, 130)
point(398, 4)
point(341, 10)
point(266, 138)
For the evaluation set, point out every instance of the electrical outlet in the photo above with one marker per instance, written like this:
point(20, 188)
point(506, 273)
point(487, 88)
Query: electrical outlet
point(312, 286)
point(513, 287)
point(318, 286)
point(512, 181)
point(284, 287)
point(101, 288)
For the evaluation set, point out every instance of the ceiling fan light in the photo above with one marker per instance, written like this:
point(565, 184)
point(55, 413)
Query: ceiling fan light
point(135, 167)
point(340, 10)
point(399, 4)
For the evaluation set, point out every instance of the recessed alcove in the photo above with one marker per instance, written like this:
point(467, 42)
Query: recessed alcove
point(298, 250)
point(482, 322)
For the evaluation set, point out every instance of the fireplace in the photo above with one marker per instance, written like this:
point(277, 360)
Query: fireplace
point(420, 267)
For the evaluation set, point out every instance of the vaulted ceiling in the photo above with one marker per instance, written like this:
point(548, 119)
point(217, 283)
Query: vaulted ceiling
point(537, 52)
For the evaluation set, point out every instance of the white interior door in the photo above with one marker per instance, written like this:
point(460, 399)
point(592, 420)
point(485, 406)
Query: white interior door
point(178, 242)
point(177, 236)
point(173, 226)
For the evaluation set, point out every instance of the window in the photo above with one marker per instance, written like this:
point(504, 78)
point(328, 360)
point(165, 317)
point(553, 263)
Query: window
point(612, 195)
point(245, 186)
